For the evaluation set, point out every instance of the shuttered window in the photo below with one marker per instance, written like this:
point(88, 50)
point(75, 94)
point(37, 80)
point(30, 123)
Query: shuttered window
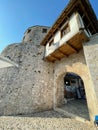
point(65, 30)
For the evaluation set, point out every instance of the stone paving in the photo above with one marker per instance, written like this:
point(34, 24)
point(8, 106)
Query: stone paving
point(48, 120)
point(77, 107)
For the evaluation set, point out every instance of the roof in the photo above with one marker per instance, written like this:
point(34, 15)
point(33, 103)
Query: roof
point(83, 7)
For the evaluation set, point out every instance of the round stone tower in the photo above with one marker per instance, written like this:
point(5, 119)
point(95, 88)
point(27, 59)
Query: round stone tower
point(28, 88)
point(35, 33)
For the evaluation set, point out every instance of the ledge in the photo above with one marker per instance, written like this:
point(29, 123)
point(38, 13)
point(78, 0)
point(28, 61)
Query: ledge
point(4, 62)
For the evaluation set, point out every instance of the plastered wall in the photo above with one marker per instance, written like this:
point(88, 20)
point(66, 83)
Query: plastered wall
point(75, 63)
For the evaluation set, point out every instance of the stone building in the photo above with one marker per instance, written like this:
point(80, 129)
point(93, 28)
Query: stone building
point(5, 62)
point(48, 59)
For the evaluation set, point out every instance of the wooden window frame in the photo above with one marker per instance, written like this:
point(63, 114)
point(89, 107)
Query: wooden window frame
point(44, 30)
point(51, 42)
point(65, 30)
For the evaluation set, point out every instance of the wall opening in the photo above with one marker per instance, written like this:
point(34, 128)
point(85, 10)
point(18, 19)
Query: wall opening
point(73, 87)
point(29, 30)
point(74, 95)
point(44, 30)
point(70, 95)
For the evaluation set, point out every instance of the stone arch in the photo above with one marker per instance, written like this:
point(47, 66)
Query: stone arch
point(59, 88)
point(79, 69)
point(75, 63)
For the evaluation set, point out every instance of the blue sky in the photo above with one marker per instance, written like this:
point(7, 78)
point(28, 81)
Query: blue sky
point(17, 15)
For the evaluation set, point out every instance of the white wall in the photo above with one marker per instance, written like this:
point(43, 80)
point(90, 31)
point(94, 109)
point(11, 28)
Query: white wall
point(58, 41)
point(57, 37)
point(75, 23)
point(74, 29)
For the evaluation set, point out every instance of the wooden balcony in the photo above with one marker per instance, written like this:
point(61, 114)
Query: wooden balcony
point(71, 46)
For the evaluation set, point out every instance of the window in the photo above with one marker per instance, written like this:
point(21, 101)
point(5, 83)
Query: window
point(65, 30)
point(51, 42)
point(29, 30)
point(30, 40)
point(44, 30)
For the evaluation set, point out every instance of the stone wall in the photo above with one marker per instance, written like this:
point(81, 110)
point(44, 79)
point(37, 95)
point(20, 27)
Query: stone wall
point(91, 56)
point(35, 33)
point(74, 63)
point(38, 85)
point(28, 88)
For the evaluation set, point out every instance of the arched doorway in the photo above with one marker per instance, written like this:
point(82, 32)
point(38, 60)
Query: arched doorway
point(75, 63)
point(70, 94)
point(73, 87)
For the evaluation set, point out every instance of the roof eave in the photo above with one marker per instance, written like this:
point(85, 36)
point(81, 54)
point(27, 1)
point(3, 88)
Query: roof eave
point(72, 6)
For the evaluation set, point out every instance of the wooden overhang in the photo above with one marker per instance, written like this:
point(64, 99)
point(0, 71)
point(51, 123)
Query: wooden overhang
point(72, 46)
point(85, 10)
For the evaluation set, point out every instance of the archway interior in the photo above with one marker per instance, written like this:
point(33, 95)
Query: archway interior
point(74, 93)
point(73, 87)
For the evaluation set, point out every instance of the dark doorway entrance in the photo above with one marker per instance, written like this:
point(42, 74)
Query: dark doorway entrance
point(75, 97)
point(73, 87)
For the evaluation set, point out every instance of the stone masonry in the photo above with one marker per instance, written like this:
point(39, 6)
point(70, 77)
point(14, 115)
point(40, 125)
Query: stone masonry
point(85, 64)
point(37, 84)
point(28, 88)
point(91, 56)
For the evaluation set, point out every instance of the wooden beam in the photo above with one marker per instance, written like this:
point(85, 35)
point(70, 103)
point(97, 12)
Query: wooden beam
point(63, 53)
point(47, 59)
point(89, 24)
point(50, 58)
point(87, 15)
point(83, 16)
point(55, 57)
point(71, 46)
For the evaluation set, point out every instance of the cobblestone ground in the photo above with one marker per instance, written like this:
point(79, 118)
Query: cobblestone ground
point(48, 120)
point(77, 107)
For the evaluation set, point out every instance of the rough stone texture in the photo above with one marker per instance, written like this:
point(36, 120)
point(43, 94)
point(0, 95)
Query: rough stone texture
point(48, 120)
point(91, 56)
point(74, 63)
point(28, 88)
point(38, 85)
point(35, 33)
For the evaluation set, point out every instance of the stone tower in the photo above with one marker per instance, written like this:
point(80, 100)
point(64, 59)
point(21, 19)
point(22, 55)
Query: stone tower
point(28, 88)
